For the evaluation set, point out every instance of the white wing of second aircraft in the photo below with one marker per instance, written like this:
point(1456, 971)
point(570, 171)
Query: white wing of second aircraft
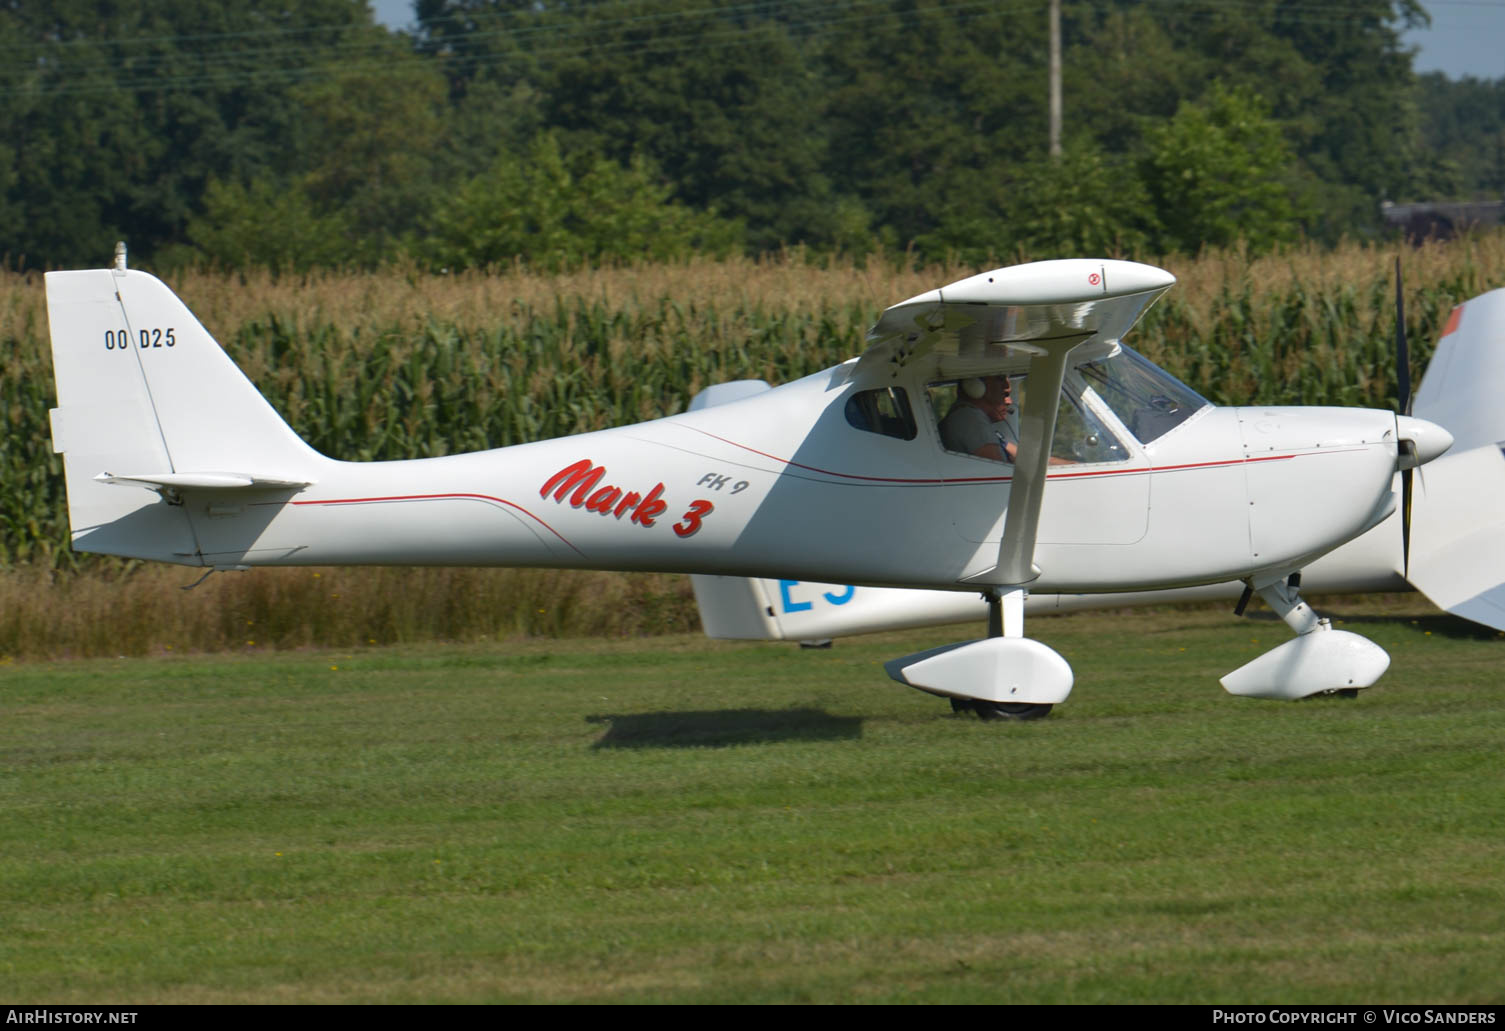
point(1458, 510)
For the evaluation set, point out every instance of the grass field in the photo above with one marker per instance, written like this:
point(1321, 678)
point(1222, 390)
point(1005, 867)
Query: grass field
point(675, 820)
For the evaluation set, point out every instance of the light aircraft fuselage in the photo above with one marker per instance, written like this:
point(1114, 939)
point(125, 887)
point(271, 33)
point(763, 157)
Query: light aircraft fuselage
point(1117, 477)
point(782, 481)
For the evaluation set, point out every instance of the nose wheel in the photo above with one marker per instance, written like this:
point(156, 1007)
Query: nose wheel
point(1320, 660)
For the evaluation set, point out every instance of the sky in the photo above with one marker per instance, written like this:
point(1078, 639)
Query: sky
point(394, 14)
point(1467, 37)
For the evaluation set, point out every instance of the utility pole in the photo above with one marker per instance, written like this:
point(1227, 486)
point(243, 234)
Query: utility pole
point(1055, 79)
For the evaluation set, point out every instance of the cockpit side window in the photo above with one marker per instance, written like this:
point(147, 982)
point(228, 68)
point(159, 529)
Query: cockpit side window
point(1147, 399)
point(885, 410)
point(974, 416)
point(964, 428)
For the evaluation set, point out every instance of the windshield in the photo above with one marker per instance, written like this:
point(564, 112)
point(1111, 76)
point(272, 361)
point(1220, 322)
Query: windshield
point(1147, 399)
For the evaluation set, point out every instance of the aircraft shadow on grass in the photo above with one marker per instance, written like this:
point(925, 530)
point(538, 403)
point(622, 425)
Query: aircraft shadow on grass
point(723, 727)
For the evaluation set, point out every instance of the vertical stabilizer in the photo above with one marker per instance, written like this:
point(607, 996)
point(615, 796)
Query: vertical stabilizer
point(146, 399)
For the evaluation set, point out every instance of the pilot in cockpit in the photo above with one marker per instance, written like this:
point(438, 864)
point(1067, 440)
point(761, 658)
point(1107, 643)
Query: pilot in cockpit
point(978, 422)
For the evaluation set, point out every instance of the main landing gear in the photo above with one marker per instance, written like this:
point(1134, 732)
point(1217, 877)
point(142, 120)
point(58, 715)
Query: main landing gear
point(1004, 676)
point(1000, 710)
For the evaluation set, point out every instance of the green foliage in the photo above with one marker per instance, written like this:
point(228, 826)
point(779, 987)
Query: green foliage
point(842, 127)
point(1464, 130)
point(30, 473)
point(1216, 174)
point(723, 98)
point(1336, 83)
point(553, 213)
point(1083, 203)
point(929, 109)
point(118, 115)
point(268, 224)
point(367, 137)
point(108, 609)
point(371, 130)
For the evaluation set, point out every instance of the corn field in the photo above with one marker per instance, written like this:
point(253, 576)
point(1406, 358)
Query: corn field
point(399, 364)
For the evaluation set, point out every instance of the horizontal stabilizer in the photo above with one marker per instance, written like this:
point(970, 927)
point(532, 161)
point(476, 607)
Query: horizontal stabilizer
point(204, 481)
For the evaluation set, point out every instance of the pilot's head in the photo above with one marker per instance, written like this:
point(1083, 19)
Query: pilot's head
point(993, 394)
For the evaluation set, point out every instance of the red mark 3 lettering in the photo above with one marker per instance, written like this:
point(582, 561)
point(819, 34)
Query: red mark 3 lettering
point(690, 521)
point(581, 484)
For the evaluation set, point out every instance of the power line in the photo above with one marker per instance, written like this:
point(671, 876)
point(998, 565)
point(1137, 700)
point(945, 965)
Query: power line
point(362, 56)
point(543, 43)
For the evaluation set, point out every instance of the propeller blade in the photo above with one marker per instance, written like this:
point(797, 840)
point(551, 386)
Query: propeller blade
point(1402, 359)
point(1403, 407)
point(1405, 521)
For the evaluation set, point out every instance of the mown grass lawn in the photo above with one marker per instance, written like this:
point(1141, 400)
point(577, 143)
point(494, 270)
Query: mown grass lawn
point(675, 820)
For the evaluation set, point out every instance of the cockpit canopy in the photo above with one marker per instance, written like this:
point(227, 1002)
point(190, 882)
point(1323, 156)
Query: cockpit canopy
point(1105, 402)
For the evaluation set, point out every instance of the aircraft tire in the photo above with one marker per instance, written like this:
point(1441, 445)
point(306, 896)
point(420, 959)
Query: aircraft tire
point(1010, 710)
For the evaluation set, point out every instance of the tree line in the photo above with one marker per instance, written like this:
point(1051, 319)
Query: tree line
point(554, 134)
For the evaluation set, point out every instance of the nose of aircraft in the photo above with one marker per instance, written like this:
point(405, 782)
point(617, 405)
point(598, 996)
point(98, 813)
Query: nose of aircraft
point(1427, 439)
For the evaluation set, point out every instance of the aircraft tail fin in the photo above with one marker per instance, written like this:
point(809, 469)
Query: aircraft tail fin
point(735, 608)
point(148, 399)
point(749, 608)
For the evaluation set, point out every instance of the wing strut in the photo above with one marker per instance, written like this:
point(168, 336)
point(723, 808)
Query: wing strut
point(1007, 675)
point(1037, 429)
point(1046, 311)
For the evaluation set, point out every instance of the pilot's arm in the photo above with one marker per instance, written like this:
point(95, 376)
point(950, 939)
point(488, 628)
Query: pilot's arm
point(1001, 451)
point(1008, 438)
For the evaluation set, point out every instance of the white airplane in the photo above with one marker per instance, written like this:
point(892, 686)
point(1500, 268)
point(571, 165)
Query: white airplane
point(1121, 478)
point(1449, 552)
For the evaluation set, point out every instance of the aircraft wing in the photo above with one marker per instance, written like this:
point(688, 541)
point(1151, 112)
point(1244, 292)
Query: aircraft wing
point(1458, 511)
point(973, 322)
point(1050, 314)
point(1458, 519)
